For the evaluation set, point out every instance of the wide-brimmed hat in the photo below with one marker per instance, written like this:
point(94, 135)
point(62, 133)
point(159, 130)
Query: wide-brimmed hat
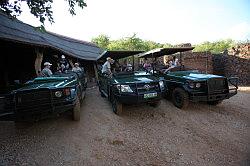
point(108, 58)
point(47, 64)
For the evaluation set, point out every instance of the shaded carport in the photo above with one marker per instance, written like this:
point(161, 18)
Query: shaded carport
point(24, 48)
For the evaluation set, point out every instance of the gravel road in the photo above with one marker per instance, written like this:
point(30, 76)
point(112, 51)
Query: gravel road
point(142, 135)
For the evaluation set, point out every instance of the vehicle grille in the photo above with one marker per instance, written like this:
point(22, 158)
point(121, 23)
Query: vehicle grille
point(217, 85)
point(35, 101)
point(148, 87)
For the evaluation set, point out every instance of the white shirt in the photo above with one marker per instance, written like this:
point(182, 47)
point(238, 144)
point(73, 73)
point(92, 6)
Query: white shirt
point(175, 62)
point(76, 69)
point(46, 72)
point(106, 67)
point(129, 66)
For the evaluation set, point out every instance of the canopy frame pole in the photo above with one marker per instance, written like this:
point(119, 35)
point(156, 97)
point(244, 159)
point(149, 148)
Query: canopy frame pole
point(133, 63)
point(181, 58)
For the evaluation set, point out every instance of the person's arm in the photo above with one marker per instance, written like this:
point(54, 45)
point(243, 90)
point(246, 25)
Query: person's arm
point(50, 72)
point(109, 67)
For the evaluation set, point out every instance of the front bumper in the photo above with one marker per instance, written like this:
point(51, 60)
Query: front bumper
point(137, 98)
point(197, 97)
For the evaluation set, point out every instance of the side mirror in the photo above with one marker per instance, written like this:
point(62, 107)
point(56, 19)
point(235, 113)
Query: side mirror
point(233, 81)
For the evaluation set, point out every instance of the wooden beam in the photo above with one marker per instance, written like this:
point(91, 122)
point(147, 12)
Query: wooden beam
point(38, 62)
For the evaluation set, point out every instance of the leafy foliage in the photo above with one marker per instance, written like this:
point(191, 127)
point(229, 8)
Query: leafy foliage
point(215, 47)
point(39, 8)
point(128, 43)
point(102, 41)
point(135, 43)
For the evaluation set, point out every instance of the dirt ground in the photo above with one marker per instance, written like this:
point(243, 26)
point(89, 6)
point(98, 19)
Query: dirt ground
point(143, 135)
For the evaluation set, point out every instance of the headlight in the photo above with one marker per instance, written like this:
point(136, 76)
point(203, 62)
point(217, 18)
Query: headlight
point(194, 85)
point(191, 85)
point(124, 88)
point(58, 94)
point(73, 92)
point(161, 84)
point(198, 85)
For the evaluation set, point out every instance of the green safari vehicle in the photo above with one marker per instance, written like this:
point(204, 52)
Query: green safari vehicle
point(129, 87)
point(185, 85)
point(45, 97)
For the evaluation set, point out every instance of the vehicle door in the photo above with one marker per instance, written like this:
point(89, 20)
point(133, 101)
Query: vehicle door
point(6, 107)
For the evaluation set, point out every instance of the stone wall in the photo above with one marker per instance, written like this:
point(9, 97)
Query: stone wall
point(202, 61)
point(234, 62)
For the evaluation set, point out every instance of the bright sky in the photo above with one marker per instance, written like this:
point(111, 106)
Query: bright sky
point(163, 21)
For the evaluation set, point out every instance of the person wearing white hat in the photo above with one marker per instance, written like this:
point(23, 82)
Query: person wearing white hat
point(76, 68)
point(63, 64)
point(106, 67)
point(46, 72)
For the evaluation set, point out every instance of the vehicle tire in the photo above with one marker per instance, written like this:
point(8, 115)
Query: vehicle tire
point(76, 110)
point(155, 104)
point(102, 95)
point(214, 102)
point(180, 98)
point(83, 96)
point(116, 107)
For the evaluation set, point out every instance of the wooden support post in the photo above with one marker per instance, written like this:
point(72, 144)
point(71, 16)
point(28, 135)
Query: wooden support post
point(96, 72)
point(38, 62)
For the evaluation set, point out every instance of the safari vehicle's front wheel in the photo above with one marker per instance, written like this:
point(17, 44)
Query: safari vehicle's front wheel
point(214, 102)
point(102, 94)
point(83, 96)
point(117, 107)
point(76, 110)
point(180, 98)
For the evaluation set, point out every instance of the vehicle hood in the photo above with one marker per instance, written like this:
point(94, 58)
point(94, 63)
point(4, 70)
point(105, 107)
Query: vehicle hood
point(136, 77)
point(47, 82)
point(191, 75)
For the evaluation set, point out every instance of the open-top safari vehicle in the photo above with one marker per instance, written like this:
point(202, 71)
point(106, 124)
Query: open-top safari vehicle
point(43, 97)
point(185, 85)
point(129, 87)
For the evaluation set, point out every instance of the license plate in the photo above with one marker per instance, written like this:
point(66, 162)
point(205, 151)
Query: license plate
point(150, 95)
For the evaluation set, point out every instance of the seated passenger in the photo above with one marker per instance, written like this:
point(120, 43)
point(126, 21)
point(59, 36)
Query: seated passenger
point(129, 66)
point(147, 66)
point(46, 72)
point(76, 68)
point(175, 62)
point(63, 65)
point(172, 64)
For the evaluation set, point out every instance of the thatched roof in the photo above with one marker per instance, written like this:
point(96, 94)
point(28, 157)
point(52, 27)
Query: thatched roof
point(17, 31)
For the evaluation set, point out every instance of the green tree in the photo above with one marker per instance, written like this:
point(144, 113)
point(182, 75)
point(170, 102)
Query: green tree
point(102, 41)
point(215, 47)
point(129, 43)
point(39, 8)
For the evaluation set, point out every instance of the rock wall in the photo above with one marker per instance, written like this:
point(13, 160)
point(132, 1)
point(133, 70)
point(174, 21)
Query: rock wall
point(202, 61)
point(234, 62)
